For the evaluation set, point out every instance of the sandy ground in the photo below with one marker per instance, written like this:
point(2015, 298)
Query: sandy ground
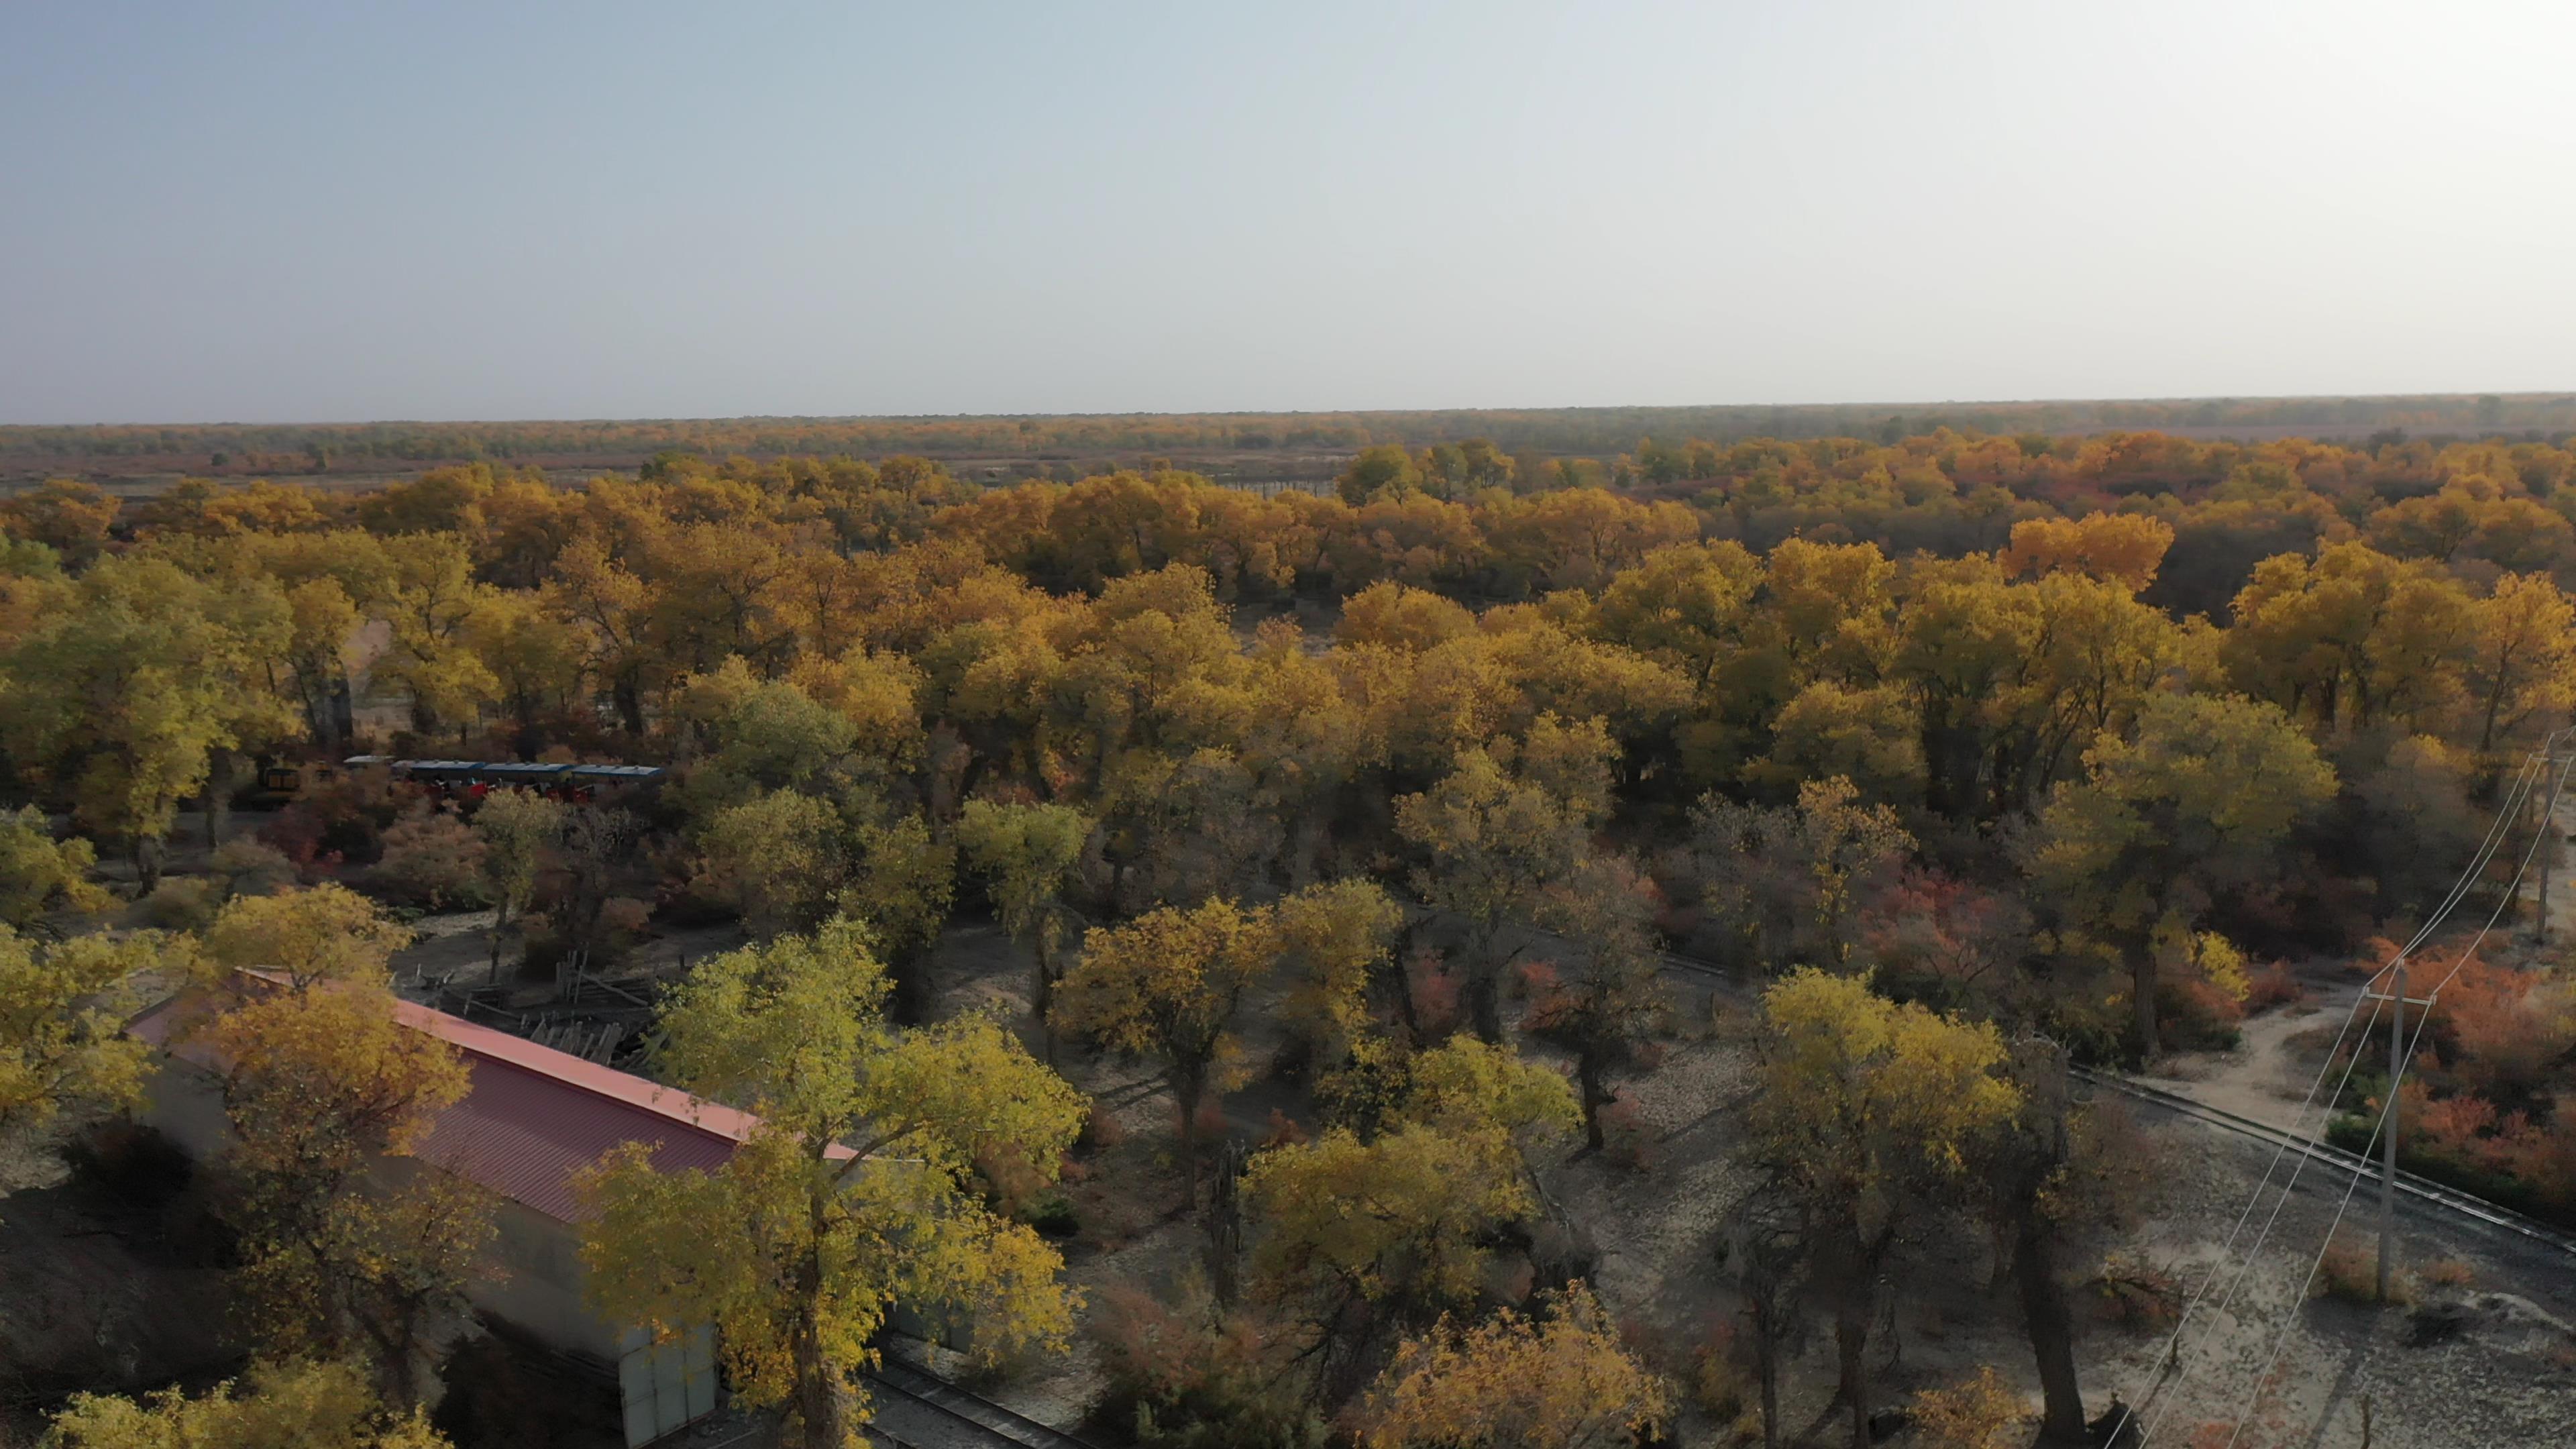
point(2272, 1075)
point(2498, 1365)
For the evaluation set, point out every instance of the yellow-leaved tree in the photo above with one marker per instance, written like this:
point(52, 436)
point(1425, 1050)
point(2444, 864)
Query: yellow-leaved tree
point(1167, 985)
point(1561, 1381)
point(39, 874)
point(1867, 1113)
point(321, 1082)
point(1356, 1235)
point(61, 1024)
point(857, 1194)
point(292, 1405)
point(2197, 804)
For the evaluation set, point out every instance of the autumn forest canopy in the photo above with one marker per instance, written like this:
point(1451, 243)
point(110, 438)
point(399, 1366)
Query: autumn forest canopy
point(1961, 754)
point(1257, 445)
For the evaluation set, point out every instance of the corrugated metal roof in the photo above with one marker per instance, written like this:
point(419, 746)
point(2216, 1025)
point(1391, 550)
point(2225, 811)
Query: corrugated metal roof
point(532, 1117)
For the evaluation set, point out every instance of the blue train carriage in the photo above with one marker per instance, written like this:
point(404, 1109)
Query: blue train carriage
point(469, 780)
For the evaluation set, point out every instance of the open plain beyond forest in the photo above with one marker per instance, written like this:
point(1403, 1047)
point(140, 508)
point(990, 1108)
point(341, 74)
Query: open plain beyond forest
point(1518, 936)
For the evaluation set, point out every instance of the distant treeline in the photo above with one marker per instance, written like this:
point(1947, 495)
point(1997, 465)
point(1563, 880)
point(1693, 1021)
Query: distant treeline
point(1592, 432)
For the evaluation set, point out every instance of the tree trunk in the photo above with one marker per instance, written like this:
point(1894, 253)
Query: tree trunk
point(1767, 1330)
point(1402, 972)
point(2051, 1326)
point(1042, 998)
point(1588, 1076)
point(1483, 988)
point(147, 862)
point(1189, 1088)
point(822, 1394)
point(822, 1388)
point(344, 714)
point(1851, 1378)
point(629, 698)
point(217, 798)
point(500, 927)
point(2142, 986)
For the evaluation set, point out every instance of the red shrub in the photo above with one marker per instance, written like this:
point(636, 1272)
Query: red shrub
point(1283, 1131)
point(2273, 986)
point(1544, 990)
point(1435, 996)
point(1626, 1137)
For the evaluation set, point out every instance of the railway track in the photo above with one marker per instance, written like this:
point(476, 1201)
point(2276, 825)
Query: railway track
point(2423, 1190)
point(2492, 1216)
point(919, 1410)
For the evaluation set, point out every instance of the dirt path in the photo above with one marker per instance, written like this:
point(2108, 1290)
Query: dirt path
point(2268, 1077)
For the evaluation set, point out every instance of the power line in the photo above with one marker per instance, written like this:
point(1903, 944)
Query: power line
point(2388, 1108)
point(2170, 1359)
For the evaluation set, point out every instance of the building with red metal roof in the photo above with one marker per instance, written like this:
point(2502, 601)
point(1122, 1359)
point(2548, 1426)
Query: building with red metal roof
point(530, 1119)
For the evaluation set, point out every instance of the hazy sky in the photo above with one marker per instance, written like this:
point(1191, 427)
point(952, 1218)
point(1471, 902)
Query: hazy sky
point(340, 211)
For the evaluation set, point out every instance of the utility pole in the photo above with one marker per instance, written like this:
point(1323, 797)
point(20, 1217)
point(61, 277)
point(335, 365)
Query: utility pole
point(2398, 1001)
point(2388, 1131)
point(2548, 843)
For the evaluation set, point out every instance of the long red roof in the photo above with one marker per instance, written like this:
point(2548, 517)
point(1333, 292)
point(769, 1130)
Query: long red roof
point(532, 1117)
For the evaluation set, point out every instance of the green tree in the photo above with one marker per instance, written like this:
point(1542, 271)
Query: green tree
point(62, 1018)
point(1027, 855)
point(1383, 471)
point(325, 933)
point(760, 736)
point(903, 886)
point(1335, 942)
point(1361, 1232)
point(39, 874)
point(64, 514)
point(1788, 883)
point(856, 1195)
point(776, 858)
point(430, 653)
point(126, 695)
point(517, 828)
point(319, 1085)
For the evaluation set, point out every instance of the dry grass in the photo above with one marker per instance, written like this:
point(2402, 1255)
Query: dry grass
point(2349, 1272)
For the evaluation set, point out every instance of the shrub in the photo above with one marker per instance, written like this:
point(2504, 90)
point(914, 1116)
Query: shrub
point(1051, 1213)
point(1207, 1123)
point(1283, 1131)
point(2350, 1271)
point(135, 1166)
point(335, 820)
point(1975, 1413)
point(1435, 996)
point(431, 859)
point(182, 903)
point(2135, 1293)
point(2273, 986)
point(1184, 1374)
point(1102, 1130)
point(2195, 1015)
point(237, 868)
point(2447, 1273)
point(1626, 1137)
point(1718, 1383)
point(621, 924)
